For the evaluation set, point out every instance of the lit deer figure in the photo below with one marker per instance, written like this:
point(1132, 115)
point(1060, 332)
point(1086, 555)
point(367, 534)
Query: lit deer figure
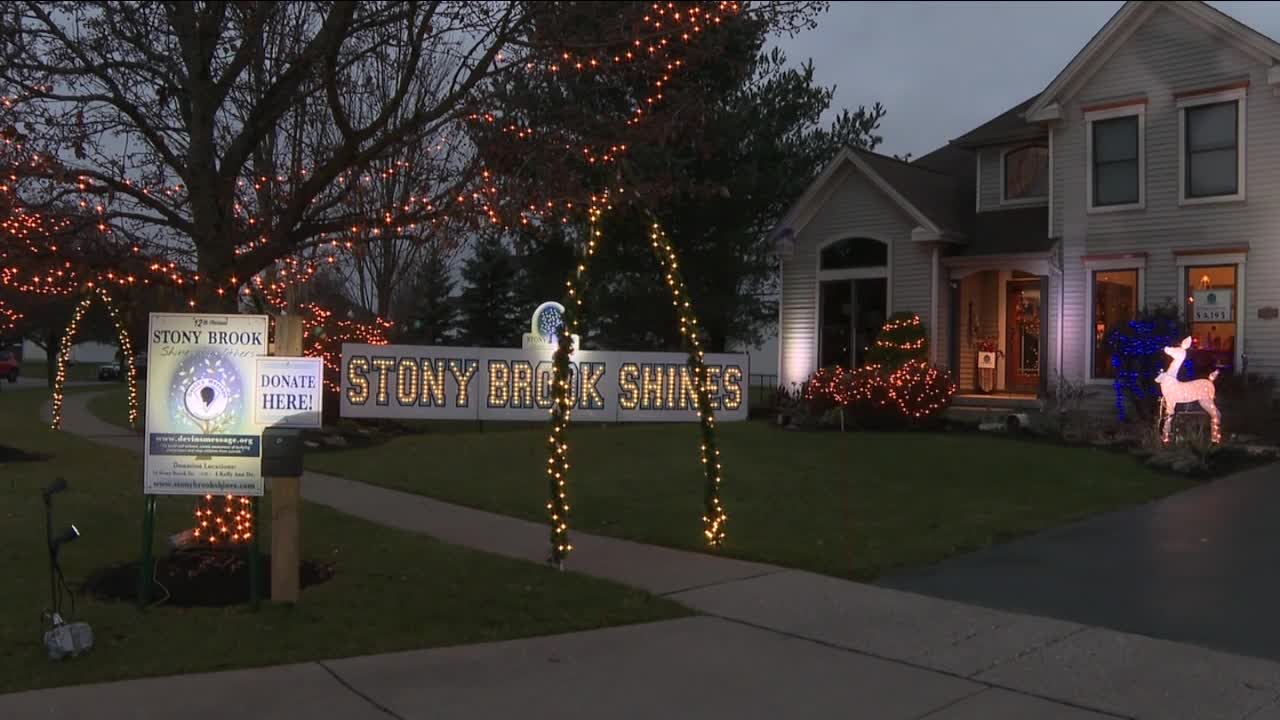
point(1174, 391)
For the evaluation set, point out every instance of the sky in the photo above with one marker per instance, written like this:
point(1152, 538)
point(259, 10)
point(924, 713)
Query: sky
point(943, 68)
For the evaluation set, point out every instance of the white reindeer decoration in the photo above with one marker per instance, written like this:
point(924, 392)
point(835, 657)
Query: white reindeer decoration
point(1174, 391)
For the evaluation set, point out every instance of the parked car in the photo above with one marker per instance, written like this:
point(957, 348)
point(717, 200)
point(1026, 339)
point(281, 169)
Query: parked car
point(109, 371)
point(9, 365)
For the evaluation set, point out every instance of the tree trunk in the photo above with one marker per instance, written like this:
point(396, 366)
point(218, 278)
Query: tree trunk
point(51, 353)
point(214, 262)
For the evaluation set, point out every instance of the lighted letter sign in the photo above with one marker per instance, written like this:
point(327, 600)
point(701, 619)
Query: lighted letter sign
point(405, 382)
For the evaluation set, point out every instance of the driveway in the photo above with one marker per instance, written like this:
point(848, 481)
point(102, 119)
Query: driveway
point(1200, 567)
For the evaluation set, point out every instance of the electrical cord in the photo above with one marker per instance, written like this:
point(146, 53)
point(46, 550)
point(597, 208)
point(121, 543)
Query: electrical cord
point(155, 578)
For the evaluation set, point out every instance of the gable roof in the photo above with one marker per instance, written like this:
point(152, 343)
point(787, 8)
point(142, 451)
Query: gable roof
point(1008, 126)
point(932, 199)
point(936, 194)
point(1122, 25)
point(958, 162)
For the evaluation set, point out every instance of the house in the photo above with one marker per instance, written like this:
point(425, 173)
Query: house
point(1147, 172)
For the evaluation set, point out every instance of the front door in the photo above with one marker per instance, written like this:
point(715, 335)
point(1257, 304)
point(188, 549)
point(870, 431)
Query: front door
point(1022, 342)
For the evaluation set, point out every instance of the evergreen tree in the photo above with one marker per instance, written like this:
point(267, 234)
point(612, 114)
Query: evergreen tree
point(491, 314)
point(902, 339)
point(750, 140)
point(434, 313)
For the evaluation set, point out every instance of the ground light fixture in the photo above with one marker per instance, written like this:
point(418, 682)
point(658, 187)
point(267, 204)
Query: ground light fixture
point(62, 639)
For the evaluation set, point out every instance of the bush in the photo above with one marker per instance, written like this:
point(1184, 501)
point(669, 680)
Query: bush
point(874, 397)
point(921, 391)
point(1137, 355)
point(1247, 404)
point(901, 340)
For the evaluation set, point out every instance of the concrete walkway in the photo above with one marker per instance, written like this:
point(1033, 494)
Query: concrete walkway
point(772, 643)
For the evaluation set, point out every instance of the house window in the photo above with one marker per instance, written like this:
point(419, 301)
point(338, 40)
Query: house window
point(1115, 305)
point(1212, 140)
point(1212, 149)
point(1026, 173)
point(1212, 311)
point(853, 299)
point(1116, 161)
point(854, 253)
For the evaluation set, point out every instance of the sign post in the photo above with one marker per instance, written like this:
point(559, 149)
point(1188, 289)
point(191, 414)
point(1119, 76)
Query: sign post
point(200, 438)
point(285, 491)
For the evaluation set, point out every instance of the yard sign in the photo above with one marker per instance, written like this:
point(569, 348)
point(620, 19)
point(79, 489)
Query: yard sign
point(201, 436)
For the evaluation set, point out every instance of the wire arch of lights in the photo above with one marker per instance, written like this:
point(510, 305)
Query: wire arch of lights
point(68, 341)
point(557, 469)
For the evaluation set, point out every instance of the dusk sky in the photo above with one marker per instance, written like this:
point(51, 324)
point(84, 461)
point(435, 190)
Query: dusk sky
point(943, 68)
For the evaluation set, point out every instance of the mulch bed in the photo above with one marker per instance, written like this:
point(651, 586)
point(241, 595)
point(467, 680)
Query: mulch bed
point(8, 454)
point(200, 577)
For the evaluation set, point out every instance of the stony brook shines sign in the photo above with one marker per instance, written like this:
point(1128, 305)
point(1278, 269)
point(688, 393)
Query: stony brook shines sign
point(455, 383)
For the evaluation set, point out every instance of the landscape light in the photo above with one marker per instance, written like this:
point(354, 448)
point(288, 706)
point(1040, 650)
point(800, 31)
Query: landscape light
point(66, 536)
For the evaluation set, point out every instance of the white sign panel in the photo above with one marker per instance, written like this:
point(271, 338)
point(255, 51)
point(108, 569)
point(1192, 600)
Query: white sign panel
point(454, 383)
point(1213, 306)
point(986, 360)
point(288, 392)
point(201, 437)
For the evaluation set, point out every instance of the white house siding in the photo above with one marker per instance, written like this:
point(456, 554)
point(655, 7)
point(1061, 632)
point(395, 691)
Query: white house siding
point(855, 208)
point(85, 352)
point(912, 275)
point(1168, 54)
point(991, 189)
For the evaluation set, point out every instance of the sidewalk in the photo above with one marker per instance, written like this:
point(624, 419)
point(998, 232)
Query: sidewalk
point(773, 643)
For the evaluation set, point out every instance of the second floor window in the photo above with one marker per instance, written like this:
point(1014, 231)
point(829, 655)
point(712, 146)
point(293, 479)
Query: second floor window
point(1212, 149)
point(1115, 161)
point(1026, 173)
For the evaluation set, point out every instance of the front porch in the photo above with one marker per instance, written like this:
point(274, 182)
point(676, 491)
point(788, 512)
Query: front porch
point(1000, 321)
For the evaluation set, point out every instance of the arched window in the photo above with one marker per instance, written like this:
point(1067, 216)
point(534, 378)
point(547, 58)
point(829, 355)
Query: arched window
point(1026, 173)
point(854, 253)
point(853, 299)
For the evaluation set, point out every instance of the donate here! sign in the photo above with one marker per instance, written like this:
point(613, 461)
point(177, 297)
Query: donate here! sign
point(456, 383)
point(289, 392)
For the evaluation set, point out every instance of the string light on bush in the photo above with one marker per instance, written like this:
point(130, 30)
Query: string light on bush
point(224, 520)
point(68, 341)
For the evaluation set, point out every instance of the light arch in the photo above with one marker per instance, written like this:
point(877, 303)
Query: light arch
point(714, 516)
point(68, 341)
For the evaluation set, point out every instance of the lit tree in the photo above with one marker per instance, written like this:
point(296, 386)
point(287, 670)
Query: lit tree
point(902, 339)
point(231, 134)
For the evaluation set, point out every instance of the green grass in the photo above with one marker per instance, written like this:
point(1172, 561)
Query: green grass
point(113, 406)
point(75, 371)
point(393, 590)
point(855, 505)
point(849, 504)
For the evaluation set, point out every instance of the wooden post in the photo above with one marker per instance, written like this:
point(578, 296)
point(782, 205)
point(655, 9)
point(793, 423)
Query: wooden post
point(285, 493)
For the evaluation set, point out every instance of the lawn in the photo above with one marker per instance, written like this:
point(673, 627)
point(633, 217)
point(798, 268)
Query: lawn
point(393, 590)
point(75, 371)
point(849, 504)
